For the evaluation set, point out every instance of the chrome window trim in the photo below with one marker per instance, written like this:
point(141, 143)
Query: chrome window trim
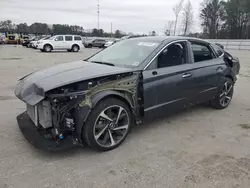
point(183, 40)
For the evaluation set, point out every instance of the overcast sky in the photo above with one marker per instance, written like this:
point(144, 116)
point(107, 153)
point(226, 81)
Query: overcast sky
point(126, 15)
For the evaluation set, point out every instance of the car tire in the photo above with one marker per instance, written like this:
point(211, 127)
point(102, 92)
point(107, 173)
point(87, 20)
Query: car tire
point(41, 50)
point(75, 48)
point(102, 134)
point(90, 45)
point(224, 94)
point(69, 50)
point(47, 48)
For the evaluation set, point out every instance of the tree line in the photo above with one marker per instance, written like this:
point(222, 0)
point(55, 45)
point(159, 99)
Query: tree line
point(44, 29)
point(220, 19)
point(224, 19)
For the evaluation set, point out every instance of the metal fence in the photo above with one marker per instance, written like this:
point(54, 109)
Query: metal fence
point(233, 44)
point(228, 44)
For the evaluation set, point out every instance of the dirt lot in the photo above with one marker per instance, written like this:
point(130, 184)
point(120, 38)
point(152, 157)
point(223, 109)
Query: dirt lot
point(200, 147)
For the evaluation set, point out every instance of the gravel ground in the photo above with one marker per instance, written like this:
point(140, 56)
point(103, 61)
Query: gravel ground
point(199, 147)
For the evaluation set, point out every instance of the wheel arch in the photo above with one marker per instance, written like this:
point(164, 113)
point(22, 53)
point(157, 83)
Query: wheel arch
point(48, 44)
point(75, 45)
point(105, 94)
point(230, 77)
point(95, 99)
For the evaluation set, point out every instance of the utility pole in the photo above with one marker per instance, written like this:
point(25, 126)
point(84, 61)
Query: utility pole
point(111, 30)
point(98, 14)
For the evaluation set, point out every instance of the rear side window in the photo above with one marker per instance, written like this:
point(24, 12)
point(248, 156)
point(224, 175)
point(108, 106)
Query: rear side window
point(202, 52)
point(68, 38)
point(218, 50)
point(59, 38)
point(77, 38)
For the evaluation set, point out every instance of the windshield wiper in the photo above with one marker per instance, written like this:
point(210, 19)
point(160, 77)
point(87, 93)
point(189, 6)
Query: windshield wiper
point(105, 63)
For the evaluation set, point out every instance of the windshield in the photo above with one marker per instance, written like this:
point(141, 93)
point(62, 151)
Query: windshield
point(45, 38)
point(52, 38)
point(127, 53)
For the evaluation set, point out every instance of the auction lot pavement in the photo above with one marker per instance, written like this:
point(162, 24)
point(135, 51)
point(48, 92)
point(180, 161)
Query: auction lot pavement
point(198, 148)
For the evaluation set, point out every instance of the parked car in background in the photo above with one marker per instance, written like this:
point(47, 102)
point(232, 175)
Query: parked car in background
point(27, 41)
point(100, 43)
point(22, 38)
point(34, 41)
point(109, 43)
point(12, 39)
point(71, 43)
point(96, 101)
point(35, 45)
point(2, 38)
point(130, 37)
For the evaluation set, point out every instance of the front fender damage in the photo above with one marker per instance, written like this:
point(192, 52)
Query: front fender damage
point(124, 86)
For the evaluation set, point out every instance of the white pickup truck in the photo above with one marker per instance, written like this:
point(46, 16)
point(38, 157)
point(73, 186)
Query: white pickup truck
point(71, 43)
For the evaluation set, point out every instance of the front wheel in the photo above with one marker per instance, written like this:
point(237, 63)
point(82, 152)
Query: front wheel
point(47, 48)
point(108, 124)
point(225, 94)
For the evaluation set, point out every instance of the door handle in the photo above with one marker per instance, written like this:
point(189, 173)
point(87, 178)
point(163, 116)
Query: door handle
point(154, 73)
point(186, 75)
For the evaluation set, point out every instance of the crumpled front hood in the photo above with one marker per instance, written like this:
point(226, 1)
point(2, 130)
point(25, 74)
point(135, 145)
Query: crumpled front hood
point(32, 88)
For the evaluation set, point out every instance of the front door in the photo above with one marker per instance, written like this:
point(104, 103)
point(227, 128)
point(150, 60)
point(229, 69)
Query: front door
point(168, 82)
point(59, 43)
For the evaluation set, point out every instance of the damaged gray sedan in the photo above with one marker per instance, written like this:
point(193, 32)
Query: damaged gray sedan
point(96, 101)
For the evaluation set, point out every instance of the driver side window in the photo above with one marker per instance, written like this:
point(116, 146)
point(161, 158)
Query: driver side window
point(59, 38)
point(172, 55)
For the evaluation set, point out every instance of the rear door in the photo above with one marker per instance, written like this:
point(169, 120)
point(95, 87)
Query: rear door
point(78, 40)
point(95, 43)
point(208, 69)
point(59, 42)
point(68, 42)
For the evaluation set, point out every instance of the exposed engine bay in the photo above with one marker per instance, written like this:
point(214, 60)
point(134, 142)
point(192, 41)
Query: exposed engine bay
point(64, 110)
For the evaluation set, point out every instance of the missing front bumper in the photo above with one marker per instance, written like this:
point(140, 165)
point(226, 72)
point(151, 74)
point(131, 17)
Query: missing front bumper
point(31, 133)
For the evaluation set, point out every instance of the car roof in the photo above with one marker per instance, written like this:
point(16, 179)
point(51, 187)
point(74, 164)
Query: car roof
point(160, 39)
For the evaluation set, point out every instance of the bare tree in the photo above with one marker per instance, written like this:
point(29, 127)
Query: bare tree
point(169, 27)
point(177, 9)
point(187, 17)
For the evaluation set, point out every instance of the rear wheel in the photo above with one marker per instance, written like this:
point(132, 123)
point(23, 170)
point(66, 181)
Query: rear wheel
point(224, 96)
point(108, 124)
point(75, 48)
